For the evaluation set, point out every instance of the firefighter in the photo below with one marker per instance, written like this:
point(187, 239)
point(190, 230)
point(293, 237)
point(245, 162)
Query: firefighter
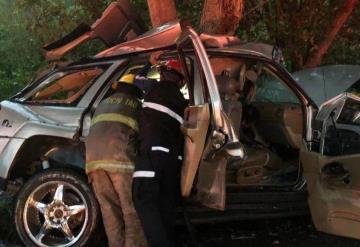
point(156, 184)
point(110, 153)
point(141, 80)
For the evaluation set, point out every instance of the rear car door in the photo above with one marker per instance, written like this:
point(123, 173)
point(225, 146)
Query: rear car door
point(332, 167)
point(210, 139)
point(118, 23)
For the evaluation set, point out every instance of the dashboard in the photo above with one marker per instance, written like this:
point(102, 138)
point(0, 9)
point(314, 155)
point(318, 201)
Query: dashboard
point(338, 126)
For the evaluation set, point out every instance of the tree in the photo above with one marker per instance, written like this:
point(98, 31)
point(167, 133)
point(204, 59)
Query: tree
point(322, 48)
point(302, 27)
point(162, 11)
point(217, 16)
point(310, 31)
point(221, 16)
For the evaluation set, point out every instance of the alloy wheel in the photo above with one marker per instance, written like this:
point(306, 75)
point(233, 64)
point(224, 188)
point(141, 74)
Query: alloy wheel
point(55, 214)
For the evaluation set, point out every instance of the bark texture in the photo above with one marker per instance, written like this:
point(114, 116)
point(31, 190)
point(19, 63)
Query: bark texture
point(221, 16)
point(161, 11)
point(339, 20)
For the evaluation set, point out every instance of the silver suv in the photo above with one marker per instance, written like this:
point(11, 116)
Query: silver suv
point(253, 139)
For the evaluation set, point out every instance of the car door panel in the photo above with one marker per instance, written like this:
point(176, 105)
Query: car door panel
point(117, 24)
point(280, 123)
point(334, 192)
point(194, 128)
point(211, 185)
point(213, 142)
point(333, 178)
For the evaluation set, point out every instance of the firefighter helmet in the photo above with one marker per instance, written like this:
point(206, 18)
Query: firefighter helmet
point(127, 78)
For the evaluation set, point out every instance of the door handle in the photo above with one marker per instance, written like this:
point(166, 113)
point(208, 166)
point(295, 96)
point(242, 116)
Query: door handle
point(335, 174)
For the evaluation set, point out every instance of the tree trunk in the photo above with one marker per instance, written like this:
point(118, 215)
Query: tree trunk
point(221, 16)
point(161, 11)
point(339, 20)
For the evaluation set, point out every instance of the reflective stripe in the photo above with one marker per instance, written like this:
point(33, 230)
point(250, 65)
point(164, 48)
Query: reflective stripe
point(139, 77)
point(163, 109)
point(179, 157)
point(115, 117)
point(144, 174)
point(158, 148)
point(114, 165)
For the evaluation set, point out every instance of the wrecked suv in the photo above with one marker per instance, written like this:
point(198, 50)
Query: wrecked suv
point(254, 140)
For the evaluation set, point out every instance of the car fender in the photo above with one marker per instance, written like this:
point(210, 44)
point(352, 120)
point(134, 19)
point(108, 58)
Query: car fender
point(65, 156)
point(28, 130)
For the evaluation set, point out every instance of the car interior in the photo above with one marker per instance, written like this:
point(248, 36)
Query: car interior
point(67, 89)
point(268, 118)
point(266, 114)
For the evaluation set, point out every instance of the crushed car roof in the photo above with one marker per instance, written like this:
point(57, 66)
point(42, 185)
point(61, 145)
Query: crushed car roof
point(167, 35)
point(160, 37)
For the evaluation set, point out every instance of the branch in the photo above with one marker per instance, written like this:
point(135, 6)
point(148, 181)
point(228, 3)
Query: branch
point(340, 19)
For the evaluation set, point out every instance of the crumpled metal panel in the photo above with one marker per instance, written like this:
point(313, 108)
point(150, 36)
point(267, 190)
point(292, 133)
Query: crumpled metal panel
point(118, 23)
point(156, 38)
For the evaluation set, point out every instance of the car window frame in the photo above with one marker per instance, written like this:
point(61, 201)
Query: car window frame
point(56, 75)
point(66, 101)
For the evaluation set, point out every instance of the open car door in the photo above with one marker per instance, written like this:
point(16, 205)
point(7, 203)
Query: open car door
point(117, 24)
point(209, 136)
point(332, 168)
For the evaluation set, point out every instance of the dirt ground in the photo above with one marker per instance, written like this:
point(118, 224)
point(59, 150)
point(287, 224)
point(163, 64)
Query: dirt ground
point(292, 232)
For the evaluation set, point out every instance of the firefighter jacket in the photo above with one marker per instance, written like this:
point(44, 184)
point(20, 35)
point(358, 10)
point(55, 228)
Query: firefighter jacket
point(160, 120)
point(111, 143)
point(156, 184)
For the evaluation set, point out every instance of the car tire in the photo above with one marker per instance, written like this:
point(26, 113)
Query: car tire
point(57, 208)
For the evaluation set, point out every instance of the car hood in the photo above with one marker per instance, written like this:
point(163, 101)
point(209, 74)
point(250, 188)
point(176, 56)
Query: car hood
point(324, 83)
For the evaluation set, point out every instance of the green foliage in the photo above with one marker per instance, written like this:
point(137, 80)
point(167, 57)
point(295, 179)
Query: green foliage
point(26, 25)
point(346, 48)
point(298, 26)
point(141, 8)
point(7, 231)
point(19, 51)
point(190, 10)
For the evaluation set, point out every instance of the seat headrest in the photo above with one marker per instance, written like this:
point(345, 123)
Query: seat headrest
point(227, 85)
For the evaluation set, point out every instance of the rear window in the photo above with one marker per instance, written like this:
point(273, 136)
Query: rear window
point(66, 89)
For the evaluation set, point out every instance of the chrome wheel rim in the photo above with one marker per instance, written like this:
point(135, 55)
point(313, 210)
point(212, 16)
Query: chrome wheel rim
point(55, 214)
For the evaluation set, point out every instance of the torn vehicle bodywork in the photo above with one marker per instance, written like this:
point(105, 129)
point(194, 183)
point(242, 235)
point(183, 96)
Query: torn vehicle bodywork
point(332, 171)
point(117, 24)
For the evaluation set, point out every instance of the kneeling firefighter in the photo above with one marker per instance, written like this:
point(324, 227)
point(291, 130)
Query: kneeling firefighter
point(110, 153)
point(156, 184)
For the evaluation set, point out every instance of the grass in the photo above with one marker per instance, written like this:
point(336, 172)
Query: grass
point(7, 226)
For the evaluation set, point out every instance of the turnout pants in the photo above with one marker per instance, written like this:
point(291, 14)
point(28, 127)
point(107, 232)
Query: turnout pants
point(156, 192)
point(113, 192)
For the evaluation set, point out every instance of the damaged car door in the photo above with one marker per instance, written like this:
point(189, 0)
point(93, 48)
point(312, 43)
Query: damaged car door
point(331, 167)
point(118, 23)
point(210, 139)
